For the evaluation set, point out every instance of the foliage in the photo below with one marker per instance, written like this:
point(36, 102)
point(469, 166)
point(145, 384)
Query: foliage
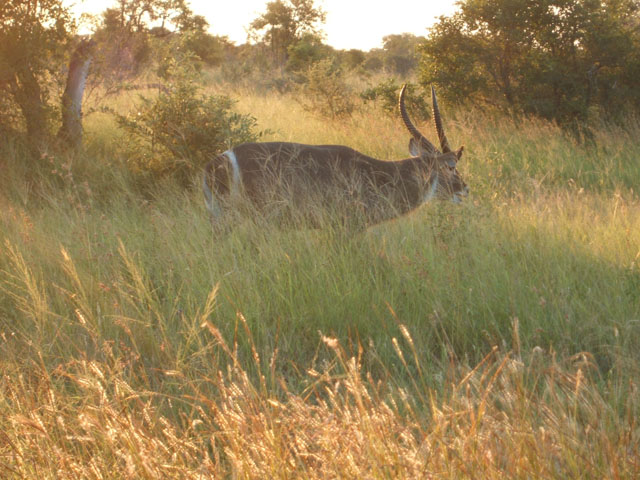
point(137, 15)
point(306, 51)
point(11, 119)
point(284, 23)
point(128, 45)
point(374, 61)
point(192, 30)
point(175, 60)
point(386, 94)
point(353, 58)
point(124, 37)
point(34, 35)
point(400, 55)
point(177, 132)
point(559, 59)
point(250, 66)
point(210, 49)
point(122, 52)
point(325, 91)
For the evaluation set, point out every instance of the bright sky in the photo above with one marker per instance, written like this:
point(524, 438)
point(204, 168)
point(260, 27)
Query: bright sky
point(350, 23)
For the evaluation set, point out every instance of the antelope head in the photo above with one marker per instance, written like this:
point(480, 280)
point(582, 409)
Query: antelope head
point(447, 184)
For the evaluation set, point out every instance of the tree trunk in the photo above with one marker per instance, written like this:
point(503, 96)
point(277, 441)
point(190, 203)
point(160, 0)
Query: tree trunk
point(28, 96)
point(70, 132)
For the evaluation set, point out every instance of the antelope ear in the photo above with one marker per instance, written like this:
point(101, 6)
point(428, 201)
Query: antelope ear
point(414, 148)
point(459, 152)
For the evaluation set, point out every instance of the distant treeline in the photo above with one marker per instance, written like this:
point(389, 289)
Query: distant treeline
point(568, 61)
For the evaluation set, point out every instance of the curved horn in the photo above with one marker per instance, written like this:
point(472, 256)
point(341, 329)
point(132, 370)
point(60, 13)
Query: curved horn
point(424, 143)
point(444, 143)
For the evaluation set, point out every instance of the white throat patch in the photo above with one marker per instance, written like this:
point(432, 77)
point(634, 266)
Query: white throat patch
point(432, 191)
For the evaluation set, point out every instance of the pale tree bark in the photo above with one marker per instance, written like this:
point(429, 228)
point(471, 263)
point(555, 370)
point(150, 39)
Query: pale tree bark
point(70, 132)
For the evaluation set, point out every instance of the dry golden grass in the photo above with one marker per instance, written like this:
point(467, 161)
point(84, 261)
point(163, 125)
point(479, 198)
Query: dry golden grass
point(497, 339)
point(501, 419)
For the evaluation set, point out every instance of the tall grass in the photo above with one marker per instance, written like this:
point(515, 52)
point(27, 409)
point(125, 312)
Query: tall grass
point(497, 338)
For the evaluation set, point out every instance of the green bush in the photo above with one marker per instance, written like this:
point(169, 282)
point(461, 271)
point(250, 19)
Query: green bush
point(209, 48)
point(177, 132)
point(561, 61)
point(386, 95)
point(307, 51)
point(325, 91)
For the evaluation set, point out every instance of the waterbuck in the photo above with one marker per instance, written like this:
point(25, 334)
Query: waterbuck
point(306, 181)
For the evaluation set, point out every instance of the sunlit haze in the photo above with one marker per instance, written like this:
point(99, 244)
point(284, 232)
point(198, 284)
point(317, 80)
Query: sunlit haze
point(350, 23)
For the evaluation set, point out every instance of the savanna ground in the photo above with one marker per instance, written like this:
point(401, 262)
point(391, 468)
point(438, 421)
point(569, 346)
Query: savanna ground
point(499, 338)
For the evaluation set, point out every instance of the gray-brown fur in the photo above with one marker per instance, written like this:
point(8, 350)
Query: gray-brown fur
point(304, 178)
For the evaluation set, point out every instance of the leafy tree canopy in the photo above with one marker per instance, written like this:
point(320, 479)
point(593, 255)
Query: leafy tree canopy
point(564, 60)
point(400, 54)
point(307, 51)
point(284, 22)
point(34, 36)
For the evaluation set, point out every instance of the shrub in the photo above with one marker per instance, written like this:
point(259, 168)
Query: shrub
point(177, 132)
point(305, 52)
point(325, 90)
point(209, 48)
point(386, 94)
